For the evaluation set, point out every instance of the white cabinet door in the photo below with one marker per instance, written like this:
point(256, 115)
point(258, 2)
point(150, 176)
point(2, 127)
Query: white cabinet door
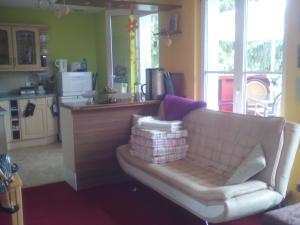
point(7, 122)
point(34, 126)
point(52, 124)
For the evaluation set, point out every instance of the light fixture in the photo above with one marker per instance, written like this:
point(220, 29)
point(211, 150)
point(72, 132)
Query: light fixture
point(45, 4)
point(60, 10)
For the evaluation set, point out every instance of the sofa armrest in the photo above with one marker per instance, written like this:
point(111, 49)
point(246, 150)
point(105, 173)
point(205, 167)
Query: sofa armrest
point(290, 145)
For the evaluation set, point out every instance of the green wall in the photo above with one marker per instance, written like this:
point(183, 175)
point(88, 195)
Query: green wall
point(120, 43)
point(101, 49)
point(73, 37)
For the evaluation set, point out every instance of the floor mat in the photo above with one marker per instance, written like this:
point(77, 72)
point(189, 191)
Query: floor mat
point(119, 204)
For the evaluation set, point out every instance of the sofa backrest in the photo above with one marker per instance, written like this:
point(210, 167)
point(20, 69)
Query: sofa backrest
point(222, 140)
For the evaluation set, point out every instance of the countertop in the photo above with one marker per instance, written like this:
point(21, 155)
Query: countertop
point(87, 107)
point(17, 97)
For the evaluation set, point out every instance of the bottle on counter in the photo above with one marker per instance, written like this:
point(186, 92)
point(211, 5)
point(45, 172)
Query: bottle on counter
point(84, 65)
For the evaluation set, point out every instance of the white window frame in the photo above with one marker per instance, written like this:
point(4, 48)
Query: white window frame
point(239, 71)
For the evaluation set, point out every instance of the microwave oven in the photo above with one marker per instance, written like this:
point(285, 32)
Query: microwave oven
point(74, 83)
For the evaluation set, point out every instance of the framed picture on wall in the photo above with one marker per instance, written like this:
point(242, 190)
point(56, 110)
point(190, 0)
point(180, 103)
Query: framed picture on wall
point(173, 23)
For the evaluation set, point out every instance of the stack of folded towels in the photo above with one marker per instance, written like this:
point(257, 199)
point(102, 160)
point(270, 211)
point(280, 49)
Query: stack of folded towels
point(157, 141)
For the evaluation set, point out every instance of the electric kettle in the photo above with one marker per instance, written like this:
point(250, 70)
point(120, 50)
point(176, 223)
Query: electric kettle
point(61, 64)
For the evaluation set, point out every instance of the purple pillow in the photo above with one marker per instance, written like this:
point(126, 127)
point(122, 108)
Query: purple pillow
point(176, 107)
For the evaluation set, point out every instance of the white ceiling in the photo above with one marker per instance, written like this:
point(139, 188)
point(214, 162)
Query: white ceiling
point(32, 4)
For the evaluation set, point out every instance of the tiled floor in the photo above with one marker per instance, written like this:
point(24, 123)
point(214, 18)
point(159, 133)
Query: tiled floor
point(39, 165)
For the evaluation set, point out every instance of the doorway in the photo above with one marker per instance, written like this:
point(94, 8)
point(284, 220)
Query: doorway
point(129, 56)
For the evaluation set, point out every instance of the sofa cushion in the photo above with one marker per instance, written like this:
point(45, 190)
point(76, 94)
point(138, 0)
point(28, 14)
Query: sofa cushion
point(175, 107)
point(222, 140)
point(195, 180)
point(251, 165)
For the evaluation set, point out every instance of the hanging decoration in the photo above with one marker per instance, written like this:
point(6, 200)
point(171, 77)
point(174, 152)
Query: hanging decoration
point(132, 24)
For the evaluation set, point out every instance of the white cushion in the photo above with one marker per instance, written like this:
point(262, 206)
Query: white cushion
point(251, 165)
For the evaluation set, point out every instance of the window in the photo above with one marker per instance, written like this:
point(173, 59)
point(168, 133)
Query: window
point(243, 58)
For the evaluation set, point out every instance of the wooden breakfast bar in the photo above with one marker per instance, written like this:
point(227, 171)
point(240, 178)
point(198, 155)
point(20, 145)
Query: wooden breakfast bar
point(90, 135)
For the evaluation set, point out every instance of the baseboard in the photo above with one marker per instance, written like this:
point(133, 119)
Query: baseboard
point(32, 143)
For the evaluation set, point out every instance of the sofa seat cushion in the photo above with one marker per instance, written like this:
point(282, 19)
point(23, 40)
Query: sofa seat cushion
point(195, 180)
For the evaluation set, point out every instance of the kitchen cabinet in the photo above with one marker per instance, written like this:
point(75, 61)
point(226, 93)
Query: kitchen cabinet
point(52, 123)
point(7, 118)
point(39, 129)
point(26, 42)
point(34, 126)
point(41, 123)
point(6, 50)
point(20, 48)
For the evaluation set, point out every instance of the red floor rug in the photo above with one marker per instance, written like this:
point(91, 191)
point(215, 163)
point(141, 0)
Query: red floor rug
point(58, 204)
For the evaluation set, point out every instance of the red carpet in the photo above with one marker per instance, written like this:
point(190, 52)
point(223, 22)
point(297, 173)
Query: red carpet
point(58, 204)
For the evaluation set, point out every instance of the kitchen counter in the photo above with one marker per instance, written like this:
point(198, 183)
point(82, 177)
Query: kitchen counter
point(87, 107)
point(90, 135)
point(17, 97)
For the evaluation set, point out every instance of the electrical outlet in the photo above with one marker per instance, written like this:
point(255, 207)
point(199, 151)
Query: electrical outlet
point(298, 187)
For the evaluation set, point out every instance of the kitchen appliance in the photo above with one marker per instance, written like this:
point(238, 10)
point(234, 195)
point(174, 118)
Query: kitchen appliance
point(28, 90)
point(62, 65)
point(73, 86)
point(158, 84)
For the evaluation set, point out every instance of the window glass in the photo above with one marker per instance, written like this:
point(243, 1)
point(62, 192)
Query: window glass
point(265, 29)
point(220, 35)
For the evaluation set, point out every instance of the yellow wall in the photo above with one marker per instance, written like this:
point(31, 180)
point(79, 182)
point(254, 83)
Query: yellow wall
point(183, 54)
point(292, 74)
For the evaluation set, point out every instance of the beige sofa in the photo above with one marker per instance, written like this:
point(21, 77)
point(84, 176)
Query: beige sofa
point(218, 143)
